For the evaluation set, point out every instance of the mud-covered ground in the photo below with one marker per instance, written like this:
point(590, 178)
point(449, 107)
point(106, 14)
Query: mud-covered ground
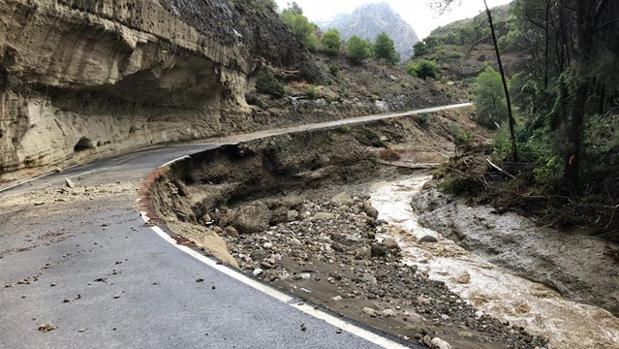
point(323, 246)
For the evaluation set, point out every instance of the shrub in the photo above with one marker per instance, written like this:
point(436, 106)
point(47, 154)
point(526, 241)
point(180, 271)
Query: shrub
point(489, 98)
point(331, 42)
point(420, 49)
point(384, 48)
point(358, 49)
point(300, 26)
point(334, 69)
point(424, 120)
point(313, 93)
point(423, 69)
point(267, 83)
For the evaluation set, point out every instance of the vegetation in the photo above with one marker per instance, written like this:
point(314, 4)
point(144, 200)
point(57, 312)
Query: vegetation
point(384, 48)
point(567, 97)
point(490, 99)
point(358, 49)
point(267, 83)
point(420, 49)
point(331, 42)
point(301, 27)
point(423, 69)
point(334, 70)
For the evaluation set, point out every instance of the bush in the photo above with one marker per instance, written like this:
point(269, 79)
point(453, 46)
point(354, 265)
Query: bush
point(300, 26)
point(267, 83)
point(424, 120)
point(331, 42)
point(420, 49)
point(384, 48)
point(489, 98)
point(334, 70)
point(358, 49)
point(423, 69)
point(313, 93)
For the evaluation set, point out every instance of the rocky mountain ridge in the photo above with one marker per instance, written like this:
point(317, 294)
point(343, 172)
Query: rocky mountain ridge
point(370, 20)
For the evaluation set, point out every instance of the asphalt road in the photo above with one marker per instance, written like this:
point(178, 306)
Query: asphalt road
point(88, 266)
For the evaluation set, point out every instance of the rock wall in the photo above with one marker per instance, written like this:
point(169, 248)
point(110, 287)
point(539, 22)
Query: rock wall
point(80, 79)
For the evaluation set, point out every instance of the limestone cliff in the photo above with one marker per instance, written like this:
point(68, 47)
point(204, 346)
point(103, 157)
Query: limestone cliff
point(80, 78)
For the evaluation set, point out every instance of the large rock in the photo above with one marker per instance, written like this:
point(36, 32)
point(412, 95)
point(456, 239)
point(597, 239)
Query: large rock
point(252, 218)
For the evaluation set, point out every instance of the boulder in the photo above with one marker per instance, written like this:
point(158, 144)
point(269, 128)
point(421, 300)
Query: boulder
point(343, 199)
point(428, 238)
point(252, 218)
point(438, 343)
point(370, 210)
point(390, 244)
point(378, 250)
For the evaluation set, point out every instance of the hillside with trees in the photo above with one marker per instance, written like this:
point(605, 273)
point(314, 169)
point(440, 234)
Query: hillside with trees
point(560, 63)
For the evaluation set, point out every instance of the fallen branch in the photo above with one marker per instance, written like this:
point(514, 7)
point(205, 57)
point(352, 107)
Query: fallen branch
point(417, 166)
point(501, 170)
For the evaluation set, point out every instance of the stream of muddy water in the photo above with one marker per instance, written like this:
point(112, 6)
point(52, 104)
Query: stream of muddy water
point(490, 288)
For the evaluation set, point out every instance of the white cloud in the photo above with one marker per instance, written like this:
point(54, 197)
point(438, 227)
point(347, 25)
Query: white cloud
point(416, 12)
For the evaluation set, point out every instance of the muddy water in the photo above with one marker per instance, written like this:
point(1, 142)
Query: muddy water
point(491, 289)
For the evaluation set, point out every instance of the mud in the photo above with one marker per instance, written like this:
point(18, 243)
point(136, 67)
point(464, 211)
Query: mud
point(267, 200)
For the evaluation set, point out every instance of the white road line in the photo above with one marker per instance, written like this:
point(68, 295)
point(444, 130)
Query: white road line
point(280, 296)
point(174, 161)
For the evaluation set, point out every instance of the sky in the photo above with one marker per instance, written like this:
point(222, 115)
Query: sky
point(416, 12)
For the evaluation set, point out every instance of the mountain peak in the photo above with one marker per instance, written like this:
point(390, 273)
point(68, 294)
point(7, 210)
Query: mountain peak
point(369, 20)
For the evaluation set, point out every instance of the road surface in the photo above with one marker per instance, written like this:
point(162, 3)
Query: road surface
point(84, 271)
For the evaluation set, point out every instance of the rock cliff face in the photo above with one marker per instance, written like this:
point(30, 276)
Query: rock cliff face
point(370, 20)
point(80, 79)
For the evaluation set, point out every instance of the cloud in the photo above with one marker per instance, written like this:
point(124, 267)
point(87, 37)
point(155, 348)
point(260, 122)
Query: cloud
point(415, 12)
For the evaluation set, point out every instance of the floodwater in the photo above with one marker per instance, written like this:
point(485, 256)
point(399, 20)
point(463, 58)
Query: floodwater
point(491, 289)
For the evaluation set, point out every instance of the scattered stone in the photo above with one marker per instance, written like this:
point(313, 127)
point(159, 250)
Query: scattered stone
point(82, 330)
point(370, 210)
point(230, 231)
point(390, 244)
point(69, 183)
point(47, 328)
point(343, 199)
point(258, 272)
point(428, 238)
point(292, 215)
point(306, 276)
point(388, 313)
point(464, 278)
point(303, 327)
point(438, 343)
point(337, 298)
point(323, 216)
point(369, 311)
point(200, 280)
point(378, 250)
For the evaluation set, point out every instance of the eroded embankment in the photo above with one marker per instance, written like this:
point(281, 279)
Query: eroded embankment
point(293, 210)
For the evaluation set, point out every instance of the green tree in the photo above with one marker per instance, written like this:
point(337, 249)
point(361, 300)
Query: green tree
point(384, 48)
point(421, 49)
point(300, 26)
point(423, 69)
point(489, 98)
point(331, 42)
point(358, 49)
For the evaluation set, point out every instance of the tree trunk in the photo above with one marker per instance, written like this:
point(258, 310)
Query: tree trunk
point(585, 28)
point(510, 119)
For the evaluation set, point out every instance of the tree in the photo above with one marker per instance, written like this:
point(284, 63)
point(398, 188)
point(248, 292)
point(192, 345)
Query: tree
point(384, 48)
point(420, 49)
point(510, 116)
point(358, 49)
point(331, 42)
point(489, 98)
point(300, 26)
point(423, 69)
point(442, 6)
